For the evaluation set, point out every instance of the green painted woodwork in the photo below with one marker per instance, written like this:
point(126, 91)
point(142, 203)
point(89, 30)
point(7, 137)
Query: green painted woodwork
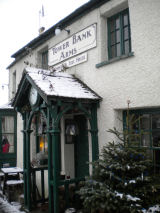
point(110, 61)
point(81, 147)
point(35, 199)
point(144, 131)
point(119, 34)
point(94, 132)
point(54, 116)
point(50, 173)
point(24, 158)
point(28, 167)
point(55, 160)
point(53, 112)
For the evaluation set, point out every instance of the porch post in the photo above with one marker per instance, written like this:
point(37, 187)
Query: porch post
point(53, 164)
point(55, 151)
point(50, 168)
point(94, 132)
point(24, 159)
point(28, 167)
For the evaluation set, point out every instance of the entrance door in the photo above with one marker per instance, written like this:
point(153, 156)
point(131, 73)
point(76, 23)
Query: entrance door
point(81, 147)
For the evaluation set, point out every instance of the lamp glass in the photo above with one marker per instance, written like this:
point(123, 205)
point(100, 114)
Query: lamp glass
point(57, 31)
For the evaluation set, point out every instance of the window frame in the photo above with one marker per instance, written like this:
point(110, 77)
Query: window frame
point(44, 58)
point(122, 39)
point(149, 131)
point(11, 157)
point(14, 133)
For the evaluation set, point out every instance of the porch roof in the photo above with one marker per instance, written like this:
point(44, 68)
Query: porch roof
point(54, 85)
point(6, 106)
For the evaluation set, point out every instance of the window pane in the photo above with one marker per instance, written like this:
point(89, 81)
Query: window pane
point(113, 52)
point(117, 23)
point(134, 123)
point(126, 33)
point(156, 161)
point(118, 49)
point(117, 36)
point(156, 121)
point(43, 144)
point(145, 122)
point(126, 47)
point(118, 27)
point(125, 19)
point(134, 140)
point(8, 124)
point(8, 143)
point(112, 38)
point(145, 140)
point(112, 25)
point(156, 138)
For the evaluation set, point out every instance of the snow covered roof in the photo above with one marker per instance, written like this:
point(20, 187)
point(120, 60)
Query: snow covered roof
point(60, 84)
point(6, 106)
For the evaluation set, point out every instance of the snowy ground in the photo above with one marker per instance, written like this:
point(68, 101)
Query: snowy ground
point(6, 207)
point(153, 209)
point(15, 207)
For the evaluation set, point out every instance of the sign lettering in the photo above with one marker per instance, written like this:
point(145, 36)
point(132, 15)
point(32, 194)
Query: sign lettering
point(76, 44)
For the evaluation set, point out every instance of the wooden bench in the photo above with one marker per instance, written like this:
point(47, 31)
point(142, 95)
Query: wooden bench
point(12, 188)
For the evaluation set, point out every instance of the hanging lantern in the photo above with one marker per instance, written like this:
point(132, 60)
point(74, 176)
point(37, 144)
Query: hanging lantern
point(41, 144)
point(71, 130)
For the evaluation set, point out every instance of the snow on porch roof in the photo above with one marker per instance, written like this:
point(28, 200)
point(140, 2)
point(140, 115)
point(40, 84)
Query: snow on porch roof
point(6, 106)
point(60, 84)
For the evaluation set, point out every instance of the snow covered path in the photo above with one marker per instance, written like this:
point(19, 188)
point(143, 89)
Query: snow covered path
point(6, 207)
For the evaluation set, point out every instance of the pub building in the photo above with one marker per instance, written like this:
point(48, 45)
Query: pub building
point(72, 83)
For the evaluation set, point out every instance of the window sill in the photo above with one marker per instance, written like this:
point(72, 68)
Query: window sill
point(114, 60)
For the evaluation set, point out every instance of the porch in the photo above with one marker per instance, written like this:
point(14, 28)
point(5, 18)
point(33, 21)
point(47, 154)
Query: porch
point(59, 136)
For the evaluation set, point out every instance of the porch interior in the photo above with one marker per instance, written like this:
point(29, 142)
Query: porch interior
point(73, 148)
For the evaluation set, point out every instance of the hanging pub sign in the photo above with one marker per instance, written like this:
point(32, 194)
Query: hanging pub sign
point(74, 45)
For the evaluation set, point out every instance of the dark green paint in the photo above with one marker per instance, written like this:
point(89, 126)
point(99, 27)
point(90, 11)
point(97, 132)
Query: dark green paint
point(81, 147)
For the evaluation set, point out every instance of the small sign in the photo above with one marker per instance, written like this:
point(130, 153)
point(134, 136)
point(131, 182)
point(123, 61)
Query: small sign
point(76, 44)
point(71, 62)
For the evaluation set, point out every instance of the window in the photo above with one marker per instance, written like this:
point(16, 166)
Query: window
point(45, 60)
point(119, 37)
point(41, 137)
point(144, 130)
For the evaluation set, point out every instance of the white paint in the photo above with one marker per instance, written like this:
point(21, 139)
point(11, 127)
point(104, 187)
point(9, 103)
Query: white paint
point(76, 44)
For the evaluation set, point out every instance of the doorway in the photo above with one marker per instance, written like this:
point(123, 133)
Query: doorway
point(81, 147)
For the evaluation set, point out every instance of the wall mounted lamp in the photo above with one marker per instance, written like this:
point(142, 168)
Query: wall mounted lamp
point(58, 31)
point(68, 31)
